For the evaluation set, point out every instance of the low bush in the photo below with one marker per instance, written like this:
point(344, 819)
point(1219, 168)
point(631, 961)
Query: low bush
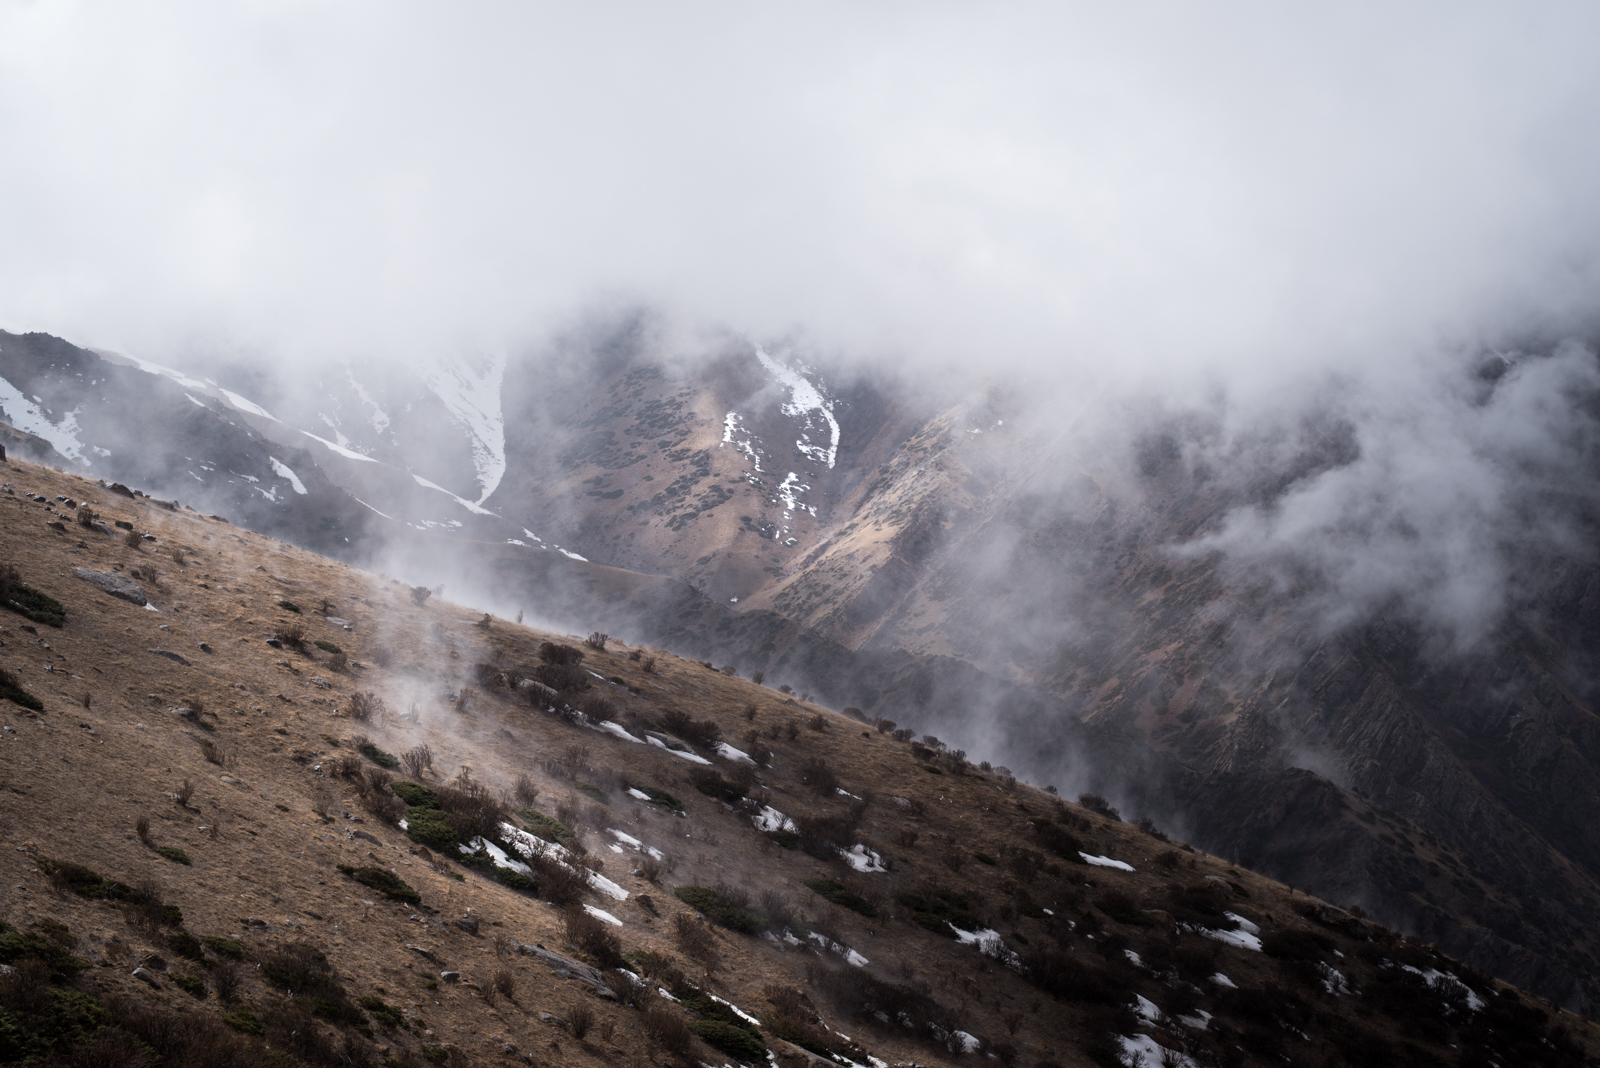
point(191, 984)
point(186, 945)
point(224, 947)
point(384, 882)
point(378, 756)
point(659, 797)
point(940, 911)
point(11, 690)
point(1122, 908)
point(18, 945)
point(1296, 945)
point(697, 732)
point(841, 895)
point(550, 829)
point(326, 646)
point(740, 781)
point(1100, 806)
point(27, 601)
point(738, 1042)
point(724, 905)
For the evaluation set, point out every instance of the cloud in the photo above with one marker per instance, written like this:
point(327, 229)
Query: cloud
point(1155, 193)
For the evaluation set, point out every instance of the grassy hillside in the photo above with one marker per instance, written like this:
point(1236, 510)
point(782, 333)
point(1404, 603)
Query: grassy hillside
point(291, 812)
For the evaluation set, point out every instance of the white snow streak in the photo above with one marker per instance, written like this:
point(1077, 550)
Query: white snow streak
point(28, 416)
point(472, 395)
point(805, 399)
point(281, 469)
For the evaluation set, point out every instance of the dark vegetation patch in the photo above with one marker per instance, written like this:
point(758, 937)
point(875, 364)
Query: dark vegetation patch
point(841, 895)
point(940, 910)
point(11, 689)
point(1122, 908)
point(27, 601)
point(378, 756)
point(728, 906)
point(659, 797)
point(549, 828)
point(384, 882)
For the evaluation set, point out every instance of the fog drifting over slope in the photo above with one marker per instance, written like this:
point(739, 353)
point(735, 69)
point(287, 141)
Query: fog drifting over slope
point(1247, 212)
point(1061, 189)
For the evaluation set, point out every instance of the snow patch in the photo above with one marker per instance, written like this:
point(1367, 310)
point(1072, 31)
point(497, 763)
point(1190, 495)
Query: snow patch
point(462, 501)
point(805, 399)
point(472, 395)
point(1242, 939)
point(28, 416)
point(1142, 1049)
point(733, 754)
point(770, 819)
point(601, 914)
point(1244, 924)
point(571, 555)
point(1146, 1008)
point(861, 858)
point(621, 732)
point(281, 469)
point(246, 405)
point(348, 454)
point(692, 757)
point(1105, 862)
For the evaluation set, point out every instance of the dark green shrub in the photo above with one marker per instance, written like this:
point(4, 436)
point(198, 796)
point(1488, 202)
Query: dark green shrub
point(660, 797)
point(983, 858)
point(27, 601)
point(11, 689)
point(594, 792)
point(737, 1042)
point(414, 795)
point(289, 606)
point(18, 945)
point(384, 882)
point(187, 945)
point(245, 1021)
point(225, 947)
point(842, 896)
point(1123, 909)
point(430, 827)
point(539, 825)
point(174, 854)
point(724, 905)
point(378, 756)
point(327, 646)
point(191, 984)
point(939, 913)
point(382, 1011)
point(86, 883)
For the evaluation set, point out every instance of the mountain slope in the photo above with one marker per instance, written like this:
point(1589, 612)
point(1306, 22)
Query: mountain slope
point(857, 883)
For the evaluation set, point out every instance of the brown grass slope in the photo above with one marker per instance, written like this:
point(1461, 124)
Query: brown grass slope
point(203, 861)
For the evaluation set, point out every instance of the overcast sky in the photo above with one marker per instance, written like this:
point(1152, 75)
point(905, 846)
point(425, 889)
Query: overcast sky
point(1242, 188)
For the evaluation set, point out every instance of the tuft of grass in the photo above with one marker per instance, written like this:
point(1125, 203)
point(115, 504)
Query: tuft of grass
point(174, 854)
point(384, 882)
point(289, 606)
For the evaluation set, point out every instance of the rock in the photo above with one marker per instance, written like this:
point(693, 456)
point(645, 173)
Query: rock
point(120, 490)
point(363, 834)
point(469, 926)
point(450, 977)
point(422, 952)
point(205, 647)
point(176, 658)
point(140, 973)
point(116, 585)
point(275, 643)
point(54, 525)
point(566, 967)
point(154, 963)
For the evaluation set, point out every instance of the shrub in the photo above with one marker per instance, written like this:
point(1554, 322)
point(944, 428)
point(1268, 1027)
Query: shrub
point(659, 797)
point(18, 946)
point(11, 689)
point(667, 1029)
point(420, 595)
point(190, 984)
point(417, 760)
point(816, 774)
point(291, 634)
point(415, 795)
point(327, 646)
point(226, 978)
point(245, 1021)
point(558, 883)
point(1058, 840)
point(597, 641)
point(1097, 804)
point(592, 936)
point(724, 905)
point(1122, 908)
point(225, 947)
point(384, 882)
point(174, 854)
point(939, 910)
point(738, 1042)
point(1296, 945)
point(581, 1019)
point(700, 732)
point(555, 653)
point(539, 825)
point(186, 945)
point(383, 1012)
point(378, 756)
point(363, 706)
point(711, 783)
point(27, 601)
point(842, 895)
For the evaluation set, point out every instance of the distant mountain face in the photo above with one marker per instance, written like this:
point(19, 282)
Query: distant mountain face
point(960, 566)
